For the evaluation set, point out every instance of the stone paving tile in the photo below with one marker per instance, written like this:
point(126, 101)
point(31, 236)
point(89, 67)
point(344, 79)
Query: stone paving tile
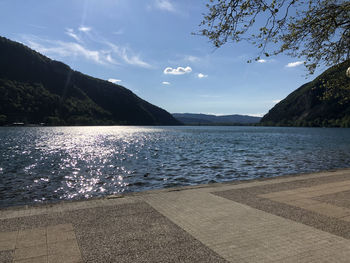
point(240, 233)
point(218, 229)
point(60, 236)
point(301, 197)
point(30, 252)
point(61, 207)
point(31, 238)
point(7, 245)
point(8, 240)
point(64, 258)
point(63, 247)
point(8, 236)
point(130, 232)
point(340, 199)
point(40, 259)
point(300, 210)
point(53, 243)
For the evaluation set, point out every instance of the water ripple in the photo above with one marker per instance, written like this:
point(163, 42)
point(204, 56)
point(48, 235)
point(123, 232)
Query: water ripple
point(54, 163)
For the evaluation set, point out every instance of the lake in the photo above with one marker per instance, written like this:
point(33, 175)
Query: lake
point(39, 164)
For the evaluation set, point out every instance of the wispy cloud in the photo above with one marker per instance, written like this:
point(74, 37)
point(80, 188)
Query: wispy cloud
point(210, 96)
point(118, 32)
point(108, 54)
point(114, 80)
point(262, 61)
point(165, 5)
point(128, 56)
point(191, 59)
point(166, 83)
point(84, 29)
point(68, 49)
point(177, 71)
point(133, 59)
point(276, 101)
point(294, 64)
point(70, 32)
point(201, 76)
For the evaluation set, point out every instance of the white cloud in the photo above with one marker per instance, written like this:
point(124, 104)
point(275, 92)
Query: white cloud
point(166, 83)
point(60, 49)
point(201, 75)
point(294, 64)
point(177, 71)
point(68, 49)
point(84, 29)
point(114, 80)
point(108, 54)
point(192, 59)
point(210, 96)
point(128, 56)
point(276, 101)
point(261, 61)
point(133, 59)
point(165, 5)
point(110, 59)
point(70, 32)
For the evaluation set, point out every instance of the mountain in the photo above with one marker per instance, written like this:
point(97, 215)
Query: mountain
point(205, 119)
point(36, 89)
point(323, 102)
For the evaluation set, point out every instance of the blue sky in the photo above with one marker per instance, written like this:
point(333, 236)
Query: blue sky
point(147, 46)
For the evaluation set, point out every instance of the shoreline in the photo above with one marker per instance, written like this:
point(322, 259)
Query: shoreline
point(296, 218)
point(169, 189)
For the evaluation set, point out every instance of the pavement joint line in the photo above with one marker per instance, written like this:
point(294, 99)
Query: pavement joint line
point(15, 212)
point(60, 207)
point(235, 231)
point(173, 205)
point(307, 193)
point(30, 250)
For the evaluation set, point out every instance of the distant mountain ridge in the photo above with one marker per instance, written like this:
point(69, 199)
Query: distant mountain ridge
point(207, 119)
point(323, 102)
point(36, 89)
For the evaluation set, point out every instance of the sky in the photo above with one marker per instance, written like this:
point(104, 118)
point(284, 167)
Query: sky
point(147, 47)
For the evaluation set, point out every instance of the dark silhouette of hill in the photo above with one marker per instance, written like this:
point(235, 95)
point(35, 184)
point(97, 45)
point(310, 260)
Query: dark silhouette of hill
point(323, 102)
point(36, 89)
point(206, 119)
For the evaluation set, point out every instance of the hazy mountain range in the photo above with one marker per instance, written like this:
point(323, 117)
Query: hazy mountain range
point(206, 119)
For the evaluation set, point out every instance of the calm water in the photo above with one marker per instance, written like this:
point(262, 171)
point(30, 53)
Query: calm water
point(51, 163)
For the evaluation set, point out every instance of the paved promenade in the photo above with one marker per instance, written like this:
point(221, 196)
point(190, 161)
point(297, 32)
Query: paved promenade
point(304, 218)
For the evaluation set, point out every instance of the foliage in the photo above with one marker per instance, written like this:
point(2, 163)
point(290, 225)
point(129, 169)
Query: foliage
point(3, 119)
point(317, 30)
point(36, 89)
point(323, 102)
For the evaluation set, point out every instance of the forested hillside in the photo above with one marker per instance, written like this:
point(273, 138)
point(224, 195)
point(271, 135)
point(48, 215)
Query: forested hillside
point(36, 89)
point(323, 102)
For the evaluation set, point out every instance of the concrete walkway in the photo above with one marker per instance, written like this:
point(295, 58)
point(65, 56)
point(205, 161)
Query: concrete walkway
point(303, 218)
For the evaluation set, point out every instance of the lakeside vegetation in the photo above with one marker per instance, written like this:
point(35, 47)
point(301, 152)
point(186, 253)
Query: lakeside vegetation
point(323, 102)
point(36, 89)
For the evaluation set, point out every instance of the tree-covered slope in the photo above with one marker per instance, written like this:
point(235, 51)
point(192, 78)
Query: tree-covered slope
point(36, 89)
point(324, 102)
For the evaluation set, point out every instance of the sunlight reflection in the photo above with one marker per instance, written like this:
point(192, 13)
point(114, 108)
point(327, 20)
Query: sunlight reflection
point(52, 163)
point(100, 151)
